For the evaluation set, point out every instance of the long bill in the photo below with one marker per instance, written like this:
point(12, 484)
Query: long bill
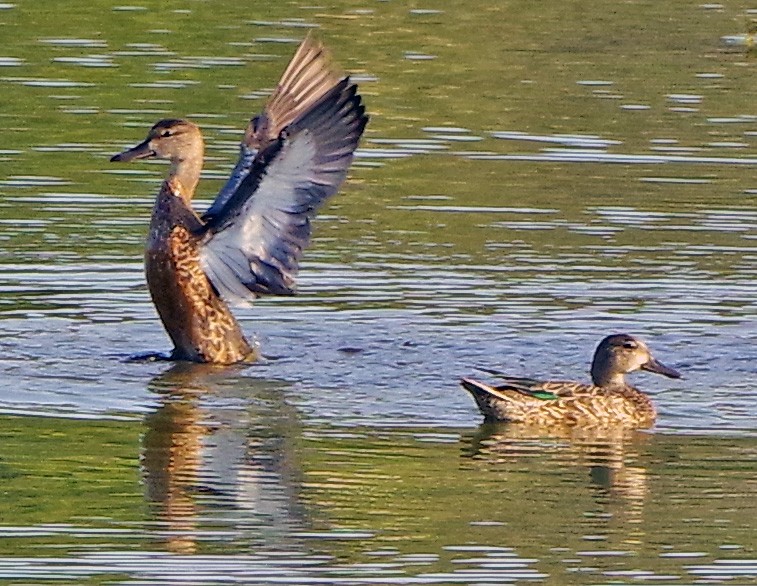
point(653, 365)
point(142, 151)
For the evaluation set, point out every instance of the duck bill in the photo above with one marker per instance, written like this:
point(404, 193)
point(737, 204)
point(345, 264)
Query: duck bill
point(141, 151)
point(658, 367)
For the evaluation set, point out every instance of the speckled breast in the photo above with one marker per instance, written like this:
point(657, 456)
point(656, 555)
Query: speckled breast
point(198, 321)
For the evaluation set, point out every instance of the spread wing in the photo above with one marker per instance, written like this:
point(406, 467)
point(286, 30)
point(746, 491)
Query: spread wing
point(253, 243)
point(308, 77)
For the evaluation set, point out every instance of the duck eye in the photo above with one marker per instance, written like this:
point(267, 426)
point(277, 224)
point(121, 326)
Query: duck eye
point(166, 133)
point(630, 345)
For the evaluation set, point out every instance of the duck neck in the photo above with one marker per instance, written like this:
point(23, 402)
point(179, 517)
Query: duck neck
point(604, 378)
point(186, 171)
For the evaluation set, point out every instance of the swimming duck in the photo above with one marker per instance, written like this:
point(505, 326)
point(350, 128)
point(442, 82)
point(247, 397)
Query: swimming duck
point(293, 157)
point(609, 400)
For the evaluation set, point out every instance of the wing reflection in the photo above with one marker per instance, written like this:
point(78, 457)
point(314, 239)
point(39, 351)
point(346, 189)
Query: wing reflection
point(217, 458)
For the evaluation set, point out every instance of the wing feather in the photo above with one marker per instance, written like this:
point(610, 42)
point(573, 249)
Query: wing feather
point(258, 234)
point(308, 77)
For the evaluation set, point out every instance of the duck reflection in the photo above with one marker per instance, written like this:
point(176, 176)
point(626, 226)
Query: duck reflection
point(218, 459)
point(609, 455)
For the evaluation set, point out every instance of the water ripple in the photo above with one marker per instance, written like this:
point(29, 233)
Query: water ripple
point(594, 156)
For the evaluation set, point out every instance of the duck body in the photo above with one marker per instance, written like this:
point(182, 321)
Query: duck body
point(609, 400)
point(198, 321)
point(561, 403)
point(293, 157)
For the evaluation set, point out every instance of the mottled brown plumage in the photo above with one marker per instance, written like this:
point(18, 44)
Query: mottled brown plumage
point(197, 320)
point(610, 399)
point(293, 157)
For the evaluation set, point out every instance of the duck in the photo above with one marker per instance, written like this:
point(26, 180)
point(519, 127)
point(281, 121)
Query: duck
point(293, 157)
point(609, 400)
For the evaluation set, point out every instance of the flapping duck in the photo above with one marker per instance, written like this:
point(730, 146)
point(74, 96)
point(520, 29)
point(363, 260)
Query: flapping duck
point(294, 156)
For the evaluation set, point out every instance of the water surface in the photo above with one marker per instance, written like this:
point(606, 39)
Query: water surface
point(532, 179)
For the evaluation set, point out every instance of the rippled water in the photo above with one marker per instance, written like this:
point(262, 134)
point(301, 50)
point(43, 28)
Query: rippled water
point(532, 179)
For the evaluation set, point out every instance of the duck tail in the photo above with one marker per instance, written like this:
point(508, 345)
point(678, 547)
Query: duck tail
point(492, 403)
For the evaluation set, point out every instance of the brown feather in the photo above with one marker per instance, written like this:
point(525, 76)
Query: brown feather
point(577, 404)
point(308, 77)
point(197, 320)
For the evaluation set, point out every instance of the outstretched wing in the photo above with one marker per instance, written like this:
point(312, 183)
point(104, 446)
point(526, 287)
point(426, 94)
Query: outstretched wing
point(254, 243)
point(308, 77)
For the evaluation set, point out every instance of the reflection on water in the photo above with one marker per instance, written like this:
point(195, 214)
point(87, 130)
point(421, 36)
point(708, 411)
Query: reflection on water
point(608, 455)
point(239, 465)
point(519, 189)
point(171, 459)
point(232, 499)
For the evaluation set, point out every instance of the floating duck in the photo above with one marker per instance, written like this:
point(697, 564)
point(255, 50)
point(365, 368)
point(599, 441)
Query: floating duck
point(609, 400)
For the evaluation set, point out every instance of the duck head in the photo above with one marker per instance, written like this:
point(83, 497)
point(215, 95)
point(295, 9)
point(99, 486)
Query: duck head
point(178, 141)
point(620, 354)
point(170, 139)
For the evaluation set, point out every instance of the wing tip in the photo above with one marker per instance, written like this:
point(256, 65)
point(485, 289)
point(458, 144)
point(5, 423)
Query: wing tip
point(473, 386)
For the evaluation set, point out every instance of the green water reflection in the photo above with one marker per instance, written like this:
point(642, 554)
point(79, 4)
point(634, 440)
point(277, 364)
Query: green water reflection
point(59, 472)
point(472, 231)
point(577, 505)
point(526, 71)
